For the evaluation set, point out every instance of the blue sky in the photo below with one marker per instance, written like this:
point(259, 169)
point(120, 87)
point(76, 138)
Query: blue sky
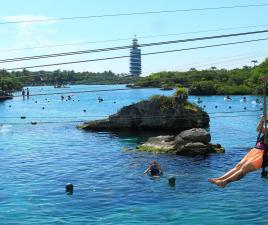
point(27, 35)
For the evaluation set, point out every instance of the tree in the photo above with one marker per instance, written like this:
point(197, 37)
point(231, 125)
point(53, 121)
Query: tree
point(213, 67)
point(254, 62)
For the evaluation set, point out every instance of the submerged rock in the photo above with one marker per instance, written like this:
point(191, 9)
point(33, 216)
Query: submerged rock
point(189, 142)
point(159, 113)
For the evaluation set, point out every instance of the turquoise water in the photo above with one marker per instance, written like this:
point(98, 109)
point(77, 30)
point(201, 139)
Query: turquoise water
point(107, 172)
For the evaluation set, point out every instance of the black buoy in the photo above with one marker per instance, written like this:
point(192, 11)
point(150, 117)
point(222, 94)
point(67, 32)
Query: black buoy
point(43, 107)
point(172, 181)
point(69, 188)
point(216, 106)
point(33, 122)
point(245, 108)
point(9, 106)
point(230, 107)
point(35, 101)
point(84, 110)
point(204, 106)
point(23, 117)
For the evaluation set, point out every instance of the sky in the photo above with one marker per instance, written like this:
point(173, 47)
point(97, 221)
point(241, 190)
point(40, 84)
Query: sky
point(102, 33)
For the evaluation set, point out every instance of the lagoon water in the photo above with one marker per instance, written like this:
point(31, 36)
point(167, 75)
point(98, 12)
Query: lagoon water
point(37, 161)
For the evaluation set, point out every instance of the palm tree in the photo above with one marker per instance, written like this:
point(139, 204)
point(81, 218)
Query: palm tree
point(213, 67)
point(254, 62)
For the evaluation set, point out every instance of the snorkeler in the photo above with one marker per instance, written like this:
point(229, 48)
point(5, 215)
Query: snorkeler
point(154, 169)
point(100, 99)
point(244, 99)
point(252, 161)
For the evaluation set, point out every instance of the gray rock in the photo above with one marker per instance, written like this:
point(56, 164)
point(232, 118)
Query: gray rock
point(179, 141)
point(193, 149)
point(162, 139)
point(195, 142)
point(195, 135)
point(159, 144)
point(156, 114)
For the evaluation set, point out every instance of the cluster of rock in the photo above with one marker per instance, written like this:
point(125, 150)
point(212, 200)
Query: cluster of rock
point(162, 114)
point(191, 142)
point(156, 114)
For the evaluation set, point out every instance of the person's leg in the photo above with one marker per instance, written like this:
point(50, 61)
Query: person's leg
point(230, 172)
point(248, 167)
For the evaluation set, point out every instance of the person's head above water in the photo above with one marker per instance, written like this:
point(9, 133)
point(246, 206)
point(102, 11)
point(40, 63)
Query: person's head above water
point(154, 169)
point(154, 162)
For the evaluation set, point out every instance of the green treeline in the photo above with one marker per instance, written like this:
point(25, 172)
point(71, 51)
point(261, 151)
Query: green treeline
point(204, 82)
point(211, 81)
point(15, 80)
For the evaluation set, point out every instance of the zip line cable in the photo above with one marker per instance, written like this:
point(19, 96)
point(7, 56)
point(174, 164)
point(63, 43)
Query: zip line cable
point(73, 92)
point(144, 54)
point(127, 117)
point(130, 46)
point(124, 39)
point(233, 59)
point(220, 60)
point(135, 13)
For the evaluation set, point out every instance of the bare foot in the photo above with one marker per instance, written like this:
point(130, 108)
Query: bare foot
point(212, 180)
point(219, 183)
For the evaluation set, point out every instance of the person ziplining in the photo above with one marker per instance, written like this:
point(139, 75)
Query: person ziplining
point(255, 159)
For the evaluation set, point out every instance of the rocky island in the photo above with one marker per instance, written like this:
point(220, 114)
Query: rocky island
point(159, 113)
point(163, 114)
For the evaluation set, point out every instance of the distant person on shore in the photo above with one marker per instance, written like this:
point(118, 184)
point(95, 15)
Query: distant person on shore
point(251, 162)
point(154, 169)
point(62, 98)
point(23, 92)
point(27, 92)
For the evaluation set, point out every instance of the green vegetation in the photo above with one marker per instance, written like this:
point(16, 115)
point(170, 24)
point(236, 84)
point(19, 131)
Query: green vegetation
point(9, 83)
point(15, 80)
point(181, 91)
point(211, 81)
point(205, 82)
point(166, 103)
point(155, 149)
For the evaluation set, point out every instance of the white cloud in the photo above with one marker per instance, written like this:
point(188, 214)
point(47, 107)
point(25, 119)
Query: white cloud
point(30, 34)
point(38, 19)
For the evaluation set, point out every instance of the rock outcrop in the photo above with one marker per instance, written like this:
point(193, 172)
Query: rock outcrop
point(191, 142)
point(159, 113)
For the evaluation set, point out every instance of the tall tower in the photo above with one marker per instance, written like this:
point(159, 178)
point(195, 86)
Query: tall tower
point(135, 59)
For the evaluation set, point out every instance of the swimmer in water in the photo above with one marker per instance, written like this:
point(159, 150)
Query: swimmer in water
point(154, 169)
